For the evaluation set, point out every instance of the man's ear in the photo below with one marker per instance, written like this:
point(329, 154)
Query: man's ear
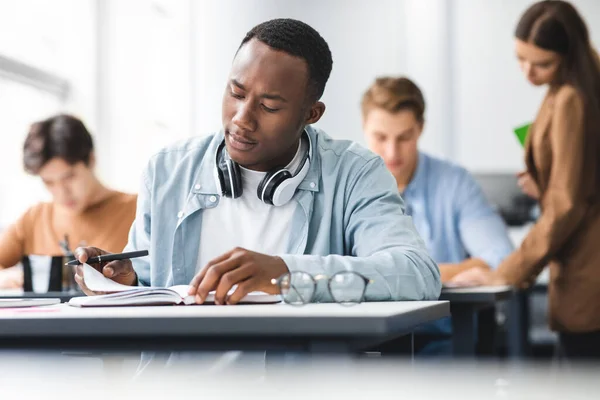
point(421, 126)
point(315, 113)
point(92, 162)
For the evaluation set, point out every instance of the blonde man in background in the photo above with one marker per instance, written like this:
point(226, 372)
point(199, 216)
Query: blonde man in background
point(460, 228)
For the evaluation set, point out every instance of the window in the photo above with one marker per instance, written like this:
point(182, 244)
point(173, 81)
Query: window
point(46, 66)
point(21, 104)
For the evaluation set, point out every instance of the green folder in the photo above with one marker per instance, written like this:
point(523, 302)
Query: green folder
point(521, 133)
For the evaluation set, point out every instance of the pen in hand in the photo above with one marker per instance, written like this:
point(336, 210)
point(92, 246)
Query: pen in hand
point(111, 257)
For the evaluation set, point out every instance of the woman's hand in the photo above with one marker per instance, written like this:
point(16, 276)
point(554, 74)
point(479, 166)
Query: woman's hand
point(528, 185)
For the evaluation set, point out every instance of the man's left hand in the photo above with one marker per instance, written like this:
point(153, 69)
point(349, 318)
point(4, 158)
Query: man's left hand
point(248, 270)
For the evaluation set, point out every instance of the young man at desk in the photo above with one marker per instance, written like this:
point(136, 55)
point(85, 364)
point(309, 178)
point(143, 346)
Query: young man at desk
point(460, 228)
point(60, 151)
point(270, 194)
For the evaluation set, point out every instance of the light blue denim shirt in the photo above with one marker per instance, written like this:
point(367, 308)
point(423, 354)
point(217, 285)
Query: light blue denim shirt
point(454, 218)
point(350, 217)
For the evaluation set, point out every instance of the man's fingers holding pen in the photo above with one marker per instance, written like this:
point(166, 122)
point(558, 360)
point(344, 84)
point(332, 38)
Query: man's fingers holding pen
point(82, 254)
point(120, 271)
point(80, 281)
point(114, 269)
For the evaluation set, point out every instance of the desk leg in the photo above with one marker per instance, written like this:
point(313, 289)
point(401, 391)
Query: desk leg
point(518, 326)
point(463, 330)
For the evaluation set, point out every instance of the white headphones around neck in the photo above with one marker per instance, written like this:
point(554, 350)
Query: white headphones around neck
point(276, 188)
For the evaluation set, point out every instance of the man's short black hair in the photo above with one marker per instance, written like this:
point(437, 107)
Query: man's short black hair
point(300, 40)
point(62, 136)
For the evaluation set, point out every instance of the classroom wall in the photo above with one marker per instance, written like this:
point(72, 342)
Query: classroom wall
point(459, 51)
point(491, 97)
point(168, 64)
point(365, 38)
point(59, 38)
point(145, 82)
point(427, 26)
point(145, 73)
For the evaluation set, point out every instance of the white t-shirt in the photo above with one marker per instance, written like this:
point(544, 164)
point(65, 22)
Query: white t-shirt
point(246, 221)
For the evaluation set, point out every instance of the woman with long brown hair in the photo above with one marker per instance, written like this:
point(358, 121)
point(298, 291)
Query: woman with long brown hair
point(563, 172)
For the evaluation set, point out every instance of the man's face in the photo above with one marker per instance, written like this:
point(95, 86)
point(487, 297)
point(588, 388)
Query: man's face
point(265, 106)
point(69, 185)
point(394, 137)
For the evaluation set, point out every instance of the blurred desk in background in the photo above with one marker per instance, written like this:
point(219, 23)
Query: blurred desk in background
point(528, 322)
point(465, 303)
point(528, 328)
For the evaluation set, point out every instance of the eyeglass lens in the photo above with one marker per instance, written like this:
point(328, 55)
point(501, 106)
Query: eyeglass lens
point(297, 288)
point(347, 287)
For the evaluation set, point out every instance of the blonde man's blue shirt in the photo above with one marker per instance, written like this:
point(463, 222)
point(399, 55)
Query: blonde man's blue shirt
point(454, 218)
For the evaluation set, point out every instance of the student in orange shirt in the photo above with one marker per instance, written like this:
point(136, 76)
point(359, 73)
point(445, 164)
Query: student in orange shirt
point(60, 151)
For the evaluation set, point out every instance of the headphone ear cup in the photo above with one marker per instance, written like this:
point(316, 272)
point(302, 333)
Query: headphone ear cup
point(236, 178)
point(269, 184)
point(228, 172)
point(223, 173)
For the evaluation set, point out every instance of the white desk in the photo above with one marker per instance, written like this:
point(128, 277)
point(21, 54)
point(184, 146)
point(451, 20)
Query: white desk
point(314, 327)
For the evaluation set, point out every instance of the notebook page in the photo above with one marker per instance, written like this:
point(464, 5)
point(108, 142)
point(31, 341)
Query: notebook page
point(97, 282)
point(252, 297)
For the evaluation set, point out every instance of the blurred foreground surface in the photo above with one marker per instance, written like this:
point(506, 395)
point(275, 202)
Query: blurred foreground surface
point(54, 375)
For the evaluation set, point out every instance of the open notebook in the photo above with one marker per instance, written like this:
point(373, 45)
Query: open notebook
point(123, 295)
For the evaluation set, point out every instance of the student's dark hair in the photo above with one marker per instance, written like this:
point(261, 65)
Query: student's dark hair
point(62, 136)
point(300, 40)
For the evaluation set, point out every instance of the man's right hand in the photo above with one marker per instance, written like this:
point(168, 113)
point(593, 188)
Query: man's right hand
point(120, 271)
